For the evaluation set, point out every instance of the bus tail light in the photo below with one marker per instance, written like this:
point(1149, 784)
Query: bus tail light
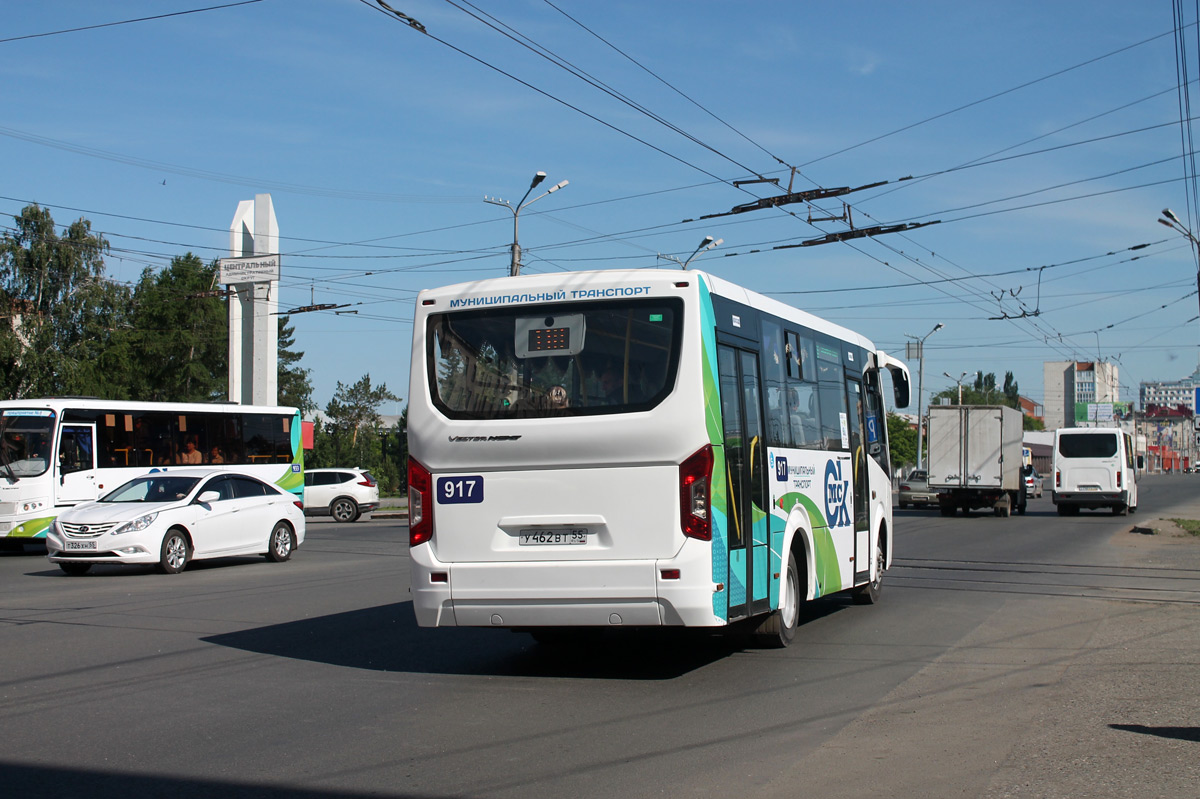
point(1057, 479)
point(695, 477)
point(420, 504)
point(1118, 478)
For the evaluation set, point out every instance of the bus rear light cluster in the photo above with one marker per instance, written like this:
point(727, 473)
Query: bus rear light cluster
point(1057, 479)
point(420, 504)
point(695, 478)
point(1118, 478)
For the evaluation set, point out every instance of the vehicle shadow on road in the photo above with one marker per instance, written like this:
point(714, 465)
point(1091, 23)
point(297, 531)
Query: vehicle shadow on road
point(387, 638)
point(29, 780)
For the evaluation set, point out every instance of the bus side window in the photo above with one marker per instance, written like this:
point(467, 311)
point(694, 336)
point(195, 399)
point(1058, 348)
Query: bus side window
point(833, 412)
point(774, 365)
point(804, 415)
point(876, 421)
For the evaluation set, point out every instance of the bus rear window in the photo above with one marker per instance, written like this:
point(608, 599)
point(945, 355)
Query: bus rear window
point(559, 360)
point(1087, 445)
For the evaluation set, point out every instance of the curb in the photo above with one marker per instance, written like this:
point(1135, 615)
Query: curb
point(389, 514)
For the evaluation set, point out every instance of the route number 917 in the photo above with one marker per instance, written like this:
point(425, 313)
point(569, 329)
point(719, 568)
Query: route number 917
point(460, 490)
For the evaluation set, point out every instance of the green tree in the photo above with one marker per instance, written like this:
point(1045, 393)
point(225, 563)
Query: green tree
point(984, 391)
point(295, 387)
point(902, 442)
point(181, 334)
point(1012, 392)
point(52, 303)
point(354, 425)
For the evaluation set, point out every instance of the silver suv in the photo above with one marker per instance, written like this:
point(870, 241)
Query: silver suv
point(344, 494)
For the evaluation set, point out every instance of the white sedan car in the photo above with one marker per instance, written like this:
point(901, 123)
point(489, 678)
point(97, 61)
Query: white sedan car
point(171, 518)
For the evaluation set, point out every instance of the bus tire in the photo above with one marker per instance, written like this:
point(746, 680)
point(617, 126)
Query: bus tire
point(779, 628)
point(75, 568)
point(175, 552)
point(869, 594)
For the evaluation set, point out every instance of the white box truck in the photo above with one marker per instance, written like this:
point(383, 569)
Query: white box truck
point(975, 458)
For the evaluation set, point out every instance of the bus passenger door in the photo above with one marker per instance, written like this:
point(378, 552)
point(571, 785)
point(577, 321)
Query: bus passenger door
point(745, 463)
point(858, 461)
point(76, 464)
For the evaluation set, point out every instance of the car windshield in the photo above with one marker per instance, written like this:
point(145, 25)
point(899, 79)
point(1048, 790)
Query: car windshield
point(153, 488)
point(25, 437)
point(918, 476)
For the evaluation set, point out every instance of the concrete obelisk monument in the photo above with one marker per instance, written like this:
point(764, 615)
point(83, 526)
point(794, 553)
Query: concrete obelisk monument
point(252, 275)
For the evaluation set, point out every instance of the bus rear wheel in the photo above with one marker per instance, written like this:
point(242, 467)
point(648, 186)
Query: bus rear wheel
point(779, 628)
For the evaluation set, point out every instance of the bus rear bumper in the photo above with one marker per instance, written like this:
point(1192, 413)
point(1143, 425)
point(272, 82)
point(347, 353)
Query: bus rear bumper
point(1091, 499)
point(629, 593)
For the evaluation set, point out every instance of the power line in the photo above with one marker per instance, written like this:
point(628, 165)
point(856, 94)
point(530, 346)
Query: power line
point(994, 96)
point(126, 21)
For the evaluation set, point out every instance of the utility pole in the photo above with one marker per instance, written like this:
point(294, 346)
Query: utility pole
point(916, 349)
point(514, 268)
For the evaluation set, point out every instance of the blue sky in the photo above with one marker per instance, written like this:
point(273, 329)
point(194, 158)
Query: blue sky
point(365, 130)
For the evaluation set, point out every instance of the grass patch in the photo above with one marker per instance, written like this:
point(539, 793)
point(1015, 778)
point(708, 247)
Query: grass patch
point(1189, 526)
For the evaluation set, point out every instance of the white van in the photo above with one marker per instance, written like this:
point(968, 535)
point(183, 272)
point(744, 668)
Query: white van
point(1094, 467)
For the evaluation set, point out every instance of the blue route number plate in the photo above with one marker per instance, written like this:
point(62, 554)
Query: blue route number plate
point(466, 489)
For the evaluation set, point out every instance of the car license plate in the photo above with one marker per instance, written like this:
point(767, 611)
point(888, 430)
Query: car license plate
point(544, 538)
point(87, 546)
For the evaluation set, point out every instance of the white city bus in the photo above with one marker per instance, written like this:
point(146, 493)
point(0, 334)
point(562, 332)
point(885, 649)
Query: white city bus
point(641, 448)
point(58, 452)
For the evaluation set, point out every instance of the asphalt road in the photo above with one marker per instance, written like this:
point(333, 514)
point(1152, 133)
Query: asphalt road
point(1032, 656)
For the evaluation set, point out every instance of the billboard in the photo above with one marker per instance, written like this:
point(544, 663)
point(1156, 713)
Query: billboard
point(1101, 414)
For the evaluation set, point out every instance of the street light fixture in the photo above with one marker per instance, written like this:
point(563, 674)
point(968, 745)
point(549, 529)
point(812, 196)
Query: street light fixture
point(708, 244)
point(958, 380)
point(919, 345)
point(514, 268)
point(1173, 222)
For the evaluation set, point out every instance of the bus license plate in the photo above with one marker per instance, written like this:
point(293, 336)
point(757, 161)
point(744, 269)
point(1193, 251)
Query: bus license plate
point(545, 538)
point(87, 546)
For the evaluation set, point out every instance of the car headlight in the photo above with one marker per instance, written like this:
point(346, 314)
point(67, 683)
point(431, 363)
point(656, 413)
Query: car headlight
point(140, 523)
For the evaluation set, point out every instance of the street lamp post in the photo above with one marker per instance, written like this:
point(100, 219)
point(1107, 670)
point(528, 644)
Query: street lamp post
point(707, 244)
point(919, 345)
point(958, 380)
point(514, 268)
point(1173, 222)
